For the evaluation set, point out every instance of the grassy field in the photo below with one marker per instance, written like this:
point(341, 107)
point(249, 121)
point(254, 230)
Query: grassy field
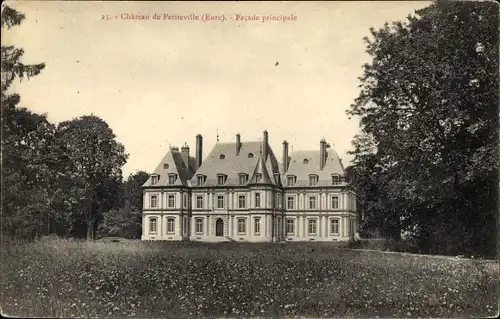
point(63, 278)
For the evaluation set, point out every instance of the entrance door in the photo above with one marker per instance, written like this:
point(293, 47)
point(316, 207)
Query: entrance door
point(219, 227)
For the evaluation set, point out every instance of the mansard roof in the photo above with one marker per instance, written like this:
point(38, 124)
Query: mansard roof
point(224, 160)
point(173, 163)
point(306, 163)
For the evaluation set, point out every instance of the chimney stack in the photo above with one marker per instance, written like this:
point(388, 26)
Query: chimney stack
point(185, 154)
point(265, 145)
point(199, 150)
point(322, 153)
point(285, 156)
point(238, 143)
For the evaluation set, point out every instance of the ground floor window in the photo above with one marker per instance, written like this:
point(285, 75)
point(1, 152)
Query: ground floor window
point(199, 225)
point(290, 226)
point(312, 227)
point(170, 225)
point(153, 225)
point(242, 225)
point(334, 227)
point(256, 226)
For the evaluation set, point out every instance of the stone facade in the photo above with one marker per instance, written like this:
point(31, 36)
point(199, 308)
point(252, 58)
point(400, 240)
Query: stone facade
point(239, 192)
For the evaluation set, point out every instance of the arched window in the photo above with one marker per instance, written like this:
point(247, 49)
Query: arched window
point(305, 161)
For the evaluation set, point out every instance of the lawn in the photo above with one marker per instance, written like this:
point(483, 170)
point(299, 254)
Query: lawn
point(64, 278)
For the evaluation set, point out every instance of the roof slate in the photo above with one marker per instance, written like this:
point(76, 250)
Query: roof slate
point(175, 166)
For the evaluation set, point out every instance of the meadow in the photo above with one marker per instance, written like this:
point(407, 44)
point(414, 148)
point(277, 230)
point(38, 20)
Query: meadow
point(68, 278)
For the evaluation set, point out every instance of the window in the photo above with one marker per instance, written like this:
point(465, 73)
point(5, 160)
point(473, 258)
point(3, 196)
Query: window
point(291, 180)
point(152, 225)
point(222, 156)
point(312, 202)
point(335, 202)
point(311, 226)
point(306, 161)
point(221, 179)
point(334, 227)
point(290, 202)
point(242, 201)
point(199, 225)
point(154, 180)
point(335, 179)
point(313, 180)
point(258, 178)
point(242, 226)
point(290, 226)
point(220, 201)
point(170, 225)
point(256, 229)
point(165, 166)
point(199, 201)
point(201, 179)
point(185, 200)
point(277, 178)
point(171, 201)
point(172, 178)
point(243, 179)
point(250, 155)
point(257, 200)
point(154, 201)
point(280, 227)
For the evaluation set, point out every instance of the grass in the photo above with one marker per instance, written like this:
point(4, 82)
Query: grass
point(64, 278)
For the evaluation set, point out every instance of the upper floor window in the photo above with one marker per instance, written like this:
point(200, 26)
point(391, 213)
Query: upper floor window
point(242, 201)
point(172, 178)
point(250, 155)
point(185, 200)
point(306, 161)
point(257, 200)
point(291, 180)
point(220, 201)
point(313, 180)
point(171, 201)
point(201, 179)
point(312, 202)
point(277, 178)
point(290, 202)
point(335, 179)
point(154, 201)
point(222, 156)
point(154, 180)
point(221, 179)
point(165, 166)
point(243, 178)
point(335, 202)
point(199, 201)
point(258, 178)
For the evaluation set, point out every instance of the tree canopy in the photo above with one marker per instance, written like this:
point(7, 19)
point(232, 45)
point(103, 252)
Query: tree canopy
point(426, 160)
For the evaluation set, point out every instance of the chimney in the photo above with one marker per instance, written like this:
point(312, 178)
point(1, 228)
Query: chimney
point(199, 150)
point(185, 154)
point(322, 153)
point(238, 143)
point(285, 156)
point(265, 145)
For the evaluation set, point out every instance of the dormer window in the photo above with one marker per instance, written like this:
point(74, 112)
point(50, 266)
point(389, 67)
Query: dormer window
point(154, 180)
point(221, 179)
point(335, 179)
point(258, 178)
point(222, 156)
point(313, 180)
point(165, 166)
point(201, 179)
point(306, 161)
point(291, 180)
point(243, 178)
point(277, 178)
point(172, 178)
point(250, 155)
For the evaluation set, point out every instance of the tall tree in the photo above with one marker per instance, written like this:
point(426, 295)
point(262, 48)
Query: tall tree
point(429, 108)
point(96, 159)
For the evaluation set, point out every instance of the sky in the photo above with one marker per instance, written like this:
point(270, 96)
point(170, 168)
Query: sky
point(159, 82)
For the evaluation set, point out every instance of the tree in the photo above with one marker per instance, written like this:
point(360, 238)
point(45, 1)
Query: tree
point(428, 112)
point(96, 159)
point(125, 220)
